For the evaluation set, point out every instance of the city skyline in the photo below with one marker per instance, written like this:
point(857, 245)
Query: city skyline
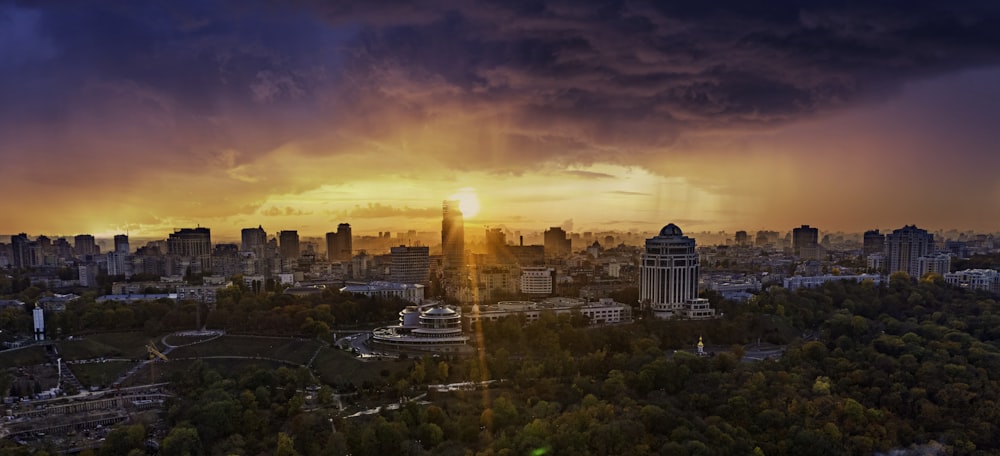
point(142, 118)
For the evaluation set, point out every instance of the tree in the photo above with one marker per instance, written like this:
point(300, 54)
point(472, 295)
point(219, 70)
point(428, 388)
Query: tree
point(182, 441)
point(286, 446)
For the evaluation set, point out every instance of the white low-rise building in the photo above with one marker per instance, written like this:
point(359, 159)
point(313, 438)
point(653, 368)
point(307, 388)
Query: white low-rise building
point(795, 282)
point(428, 328)
point(975, 279)
point(409, 292)
point(604, 311)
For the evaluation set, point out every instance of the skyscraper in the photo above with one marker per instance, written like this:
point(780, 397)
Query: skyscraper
point(253, 240)
point(190, 242)
point(288, 244)
point(121, 244)
point(21, 253)
point(904, 246)
point(556, 242)
point(339, 244)
point(741, 238)
point(410, 265)
point(804, 241)
point(84, 244)
point(452, 236)
point(669, 276)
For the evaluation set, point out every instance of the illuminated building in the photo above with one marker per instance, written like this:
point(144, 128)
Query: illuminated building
point(452, 236)
point(669, 276)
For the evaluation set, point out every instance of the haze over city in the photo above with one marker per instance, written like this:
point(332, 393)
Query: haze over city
point(143, 117)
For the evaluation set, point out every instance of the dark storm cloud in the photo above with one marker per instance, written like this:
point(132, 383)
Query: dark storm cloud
point(525, 84)
point(635, 75)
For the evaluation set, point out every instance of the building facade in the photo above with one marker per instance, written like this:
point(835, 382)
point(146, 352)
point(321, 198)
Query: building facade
point(410, 264)
point(537, 280)
point(452, 236)
point(903, 248)
point(669, 273)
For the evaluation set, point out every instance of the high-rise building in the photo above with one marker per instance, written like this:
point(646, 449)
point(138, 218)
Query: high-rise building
point(121, 244)
point(191, 249)
point(452, 236)
point(874, 242)
point(497, 250)
point(805, 239)
point(556, 242)
point(410, 264)
point(937, 263)
point(339, 244)
point(288, 244)
point(742, 239)
point(84, 244)
point(190, 242)
point(668, 283)
point(253, 240)
point(20, 250)
point(904, 246)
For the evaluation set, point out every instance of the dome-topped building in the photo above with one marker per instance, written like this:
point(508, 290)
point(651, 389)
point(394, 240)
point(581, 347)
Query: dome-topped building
point(669, 276)
point(671, 230)
point(431, 327)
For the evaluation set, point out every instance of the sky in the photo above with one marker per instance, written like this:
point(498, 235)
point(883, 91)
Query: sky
point(142, 117)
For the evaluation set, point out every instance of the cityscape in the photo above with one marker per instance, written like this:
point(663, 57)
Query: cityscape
point(487, 228)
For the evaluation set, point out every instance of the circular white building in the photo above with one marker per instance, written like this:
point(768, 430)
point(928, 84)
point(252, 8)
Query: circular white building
point(428, 328)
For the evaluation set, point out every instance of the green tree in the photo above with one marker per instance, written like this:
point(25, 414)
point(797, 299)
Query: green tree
point(182, 441)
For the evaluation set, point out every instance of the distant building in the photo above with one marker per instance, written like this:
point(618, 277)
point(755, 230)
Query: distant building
point(975, 279)
point(339, 244)
point(537, 280)
point(409, 292)
point(604, 311)
point(742, 239)
point(190, 242)
point(88, 275)
point(410, 264)
point(452, 236)
point(939, 264)
point(669, 276)
point(873, 242)
point(796, 282)
point(527, 255)
point(192, 245)
point(288, 244)
point(84, 245)
point(904, 246)
point(805, 241)
point(253, 240)
point(121, 244)
point(21, 257)
point(556, 243)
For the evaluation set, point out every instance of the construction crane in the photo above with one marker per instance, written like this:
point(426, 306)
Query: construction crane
point(153, 354)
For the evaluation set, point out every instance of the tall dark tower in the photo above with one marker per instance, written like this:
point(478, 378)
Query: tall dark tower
point(345, 245)
point(121, 244)
point(254, 240)
point(452, 236)
point(288, 242)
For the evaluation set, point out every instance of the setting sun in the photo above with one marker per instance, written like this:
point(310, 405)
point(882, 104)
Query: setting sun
point(468, 202)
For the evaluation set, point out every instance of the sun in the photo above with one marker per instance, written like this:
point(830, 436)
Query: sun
point(468, 202)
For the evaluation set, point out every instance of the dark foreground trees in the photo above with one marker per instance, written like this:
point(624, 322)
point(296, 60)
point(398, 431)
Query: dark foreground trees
point(900, 366)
